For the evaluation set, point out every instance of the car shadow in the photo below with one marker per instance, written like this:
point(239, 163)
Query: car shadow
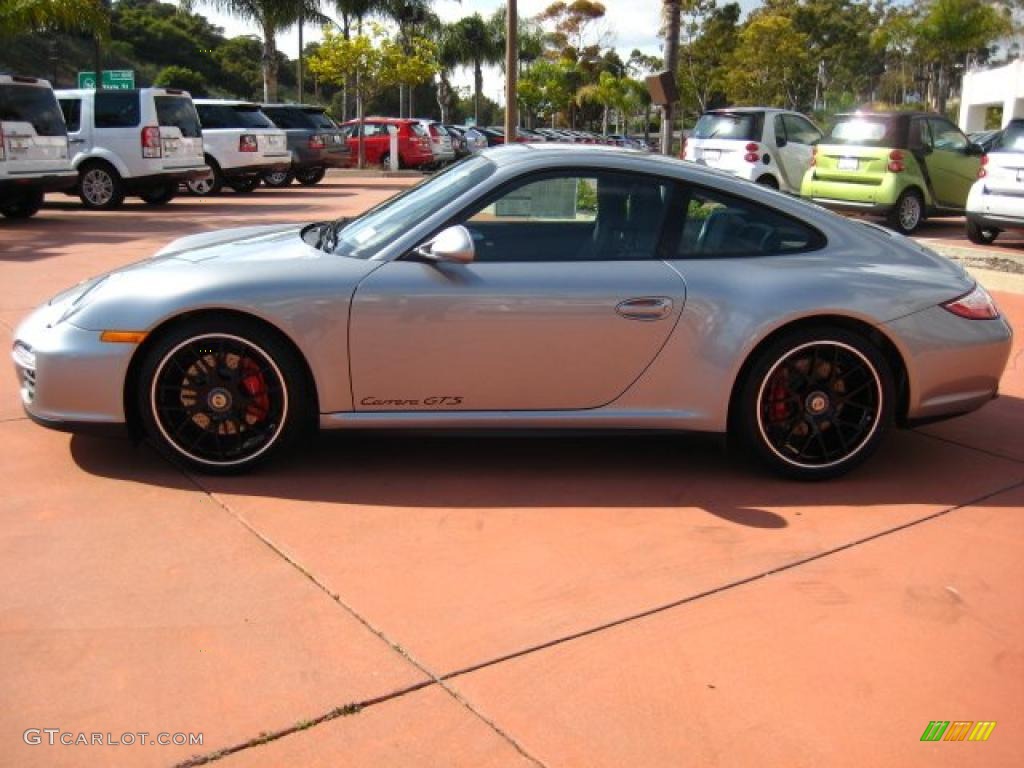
point(502, 471)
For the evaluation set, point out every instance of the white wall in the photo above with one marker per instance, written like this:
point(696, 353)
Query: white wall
point(999, 87)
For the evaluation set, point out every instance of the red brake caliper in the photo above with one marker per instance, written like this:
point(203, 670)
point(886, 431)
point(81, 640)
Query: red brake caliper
point(777, 396)
point(256, 387)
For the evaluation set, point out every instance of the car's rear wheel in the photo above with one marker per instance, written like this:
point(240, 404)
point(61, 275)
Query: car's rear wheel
point(211, 184)
point(816, 403)
point(244, 185)
point(222, 394)
point(25, 206)
point(908, 213)
point(981, 235)
point(160, 195)
point(100, 187)
point(310, 176)
point(278, 179)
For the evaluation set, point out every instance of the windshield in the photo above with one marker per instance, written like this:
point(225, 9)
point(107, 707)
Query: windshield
point(363, 237)
point(178, 111)
point(32, 104)
point(873, 132)
point(745, 126)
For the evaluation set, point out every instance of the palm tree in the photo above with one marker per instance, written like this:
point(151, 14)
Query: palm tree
point(474, 44)
point(271, 16)
point(91, 16)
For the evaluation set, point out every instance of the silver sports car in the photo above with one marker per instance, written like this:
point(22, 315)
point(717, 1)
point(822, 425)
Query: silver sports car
point(531, 286)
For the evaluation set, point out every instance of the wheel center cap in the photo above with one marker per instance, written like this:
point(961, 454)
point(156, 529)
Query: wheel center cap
point(816, 403)
point(219, 400)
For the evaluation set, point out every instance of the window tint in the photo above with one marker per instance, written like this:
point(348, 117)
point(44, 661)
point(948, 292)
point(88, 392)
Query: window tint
point(920, 136)
point(718, 225)
point(180, 113)
point(72, 110)
point(34, 105)
point(575, 216)
point(116, 109)
point(947, 136)
point(743, 126)
point(232, 116)
point(799, 130)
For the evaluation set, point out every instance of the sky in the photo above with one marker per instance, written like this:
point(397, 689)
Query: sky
point(630, 24)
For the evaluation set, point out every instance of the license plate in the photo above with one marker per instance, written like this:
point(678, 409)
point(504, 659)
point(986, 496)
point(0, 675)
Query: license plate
point(712, 154)
point(847, 163)
point(19, 145)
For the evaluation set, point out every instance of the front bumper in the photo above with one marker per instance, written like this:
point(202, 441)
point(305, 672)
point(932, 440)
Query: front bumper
point(953, 364)
point(68, 378)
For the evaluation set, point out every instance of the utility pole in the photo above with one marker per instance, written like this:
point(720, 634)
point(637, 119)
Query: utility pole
point(511, 71)
point(672, 13)
point(298, 64)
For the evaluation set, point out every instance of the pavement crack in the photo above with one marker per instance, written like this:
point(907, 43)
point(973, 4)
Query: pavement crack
point(949, 441)
point(433, 679)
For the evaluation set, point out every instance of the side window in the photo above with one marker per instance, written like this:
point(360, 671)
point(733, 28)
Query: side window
point(116, 109)
point(780, 129)
point(799, 130)
point(575, 216)
point(920, 135)
point(212, 115)
point(718, 225)
point(947, 136)
point(72, 109)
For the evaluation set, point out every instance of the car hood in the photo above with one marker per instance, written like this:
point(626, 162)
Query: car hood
point(237, 242)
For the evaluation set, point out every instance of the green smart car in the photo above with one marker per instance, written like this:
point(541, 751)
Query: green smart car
point(900, 165)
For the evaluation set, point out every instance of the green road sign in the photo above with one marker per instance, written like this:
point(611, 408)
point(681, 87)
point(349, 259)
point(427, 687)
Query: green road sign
point(114, 79)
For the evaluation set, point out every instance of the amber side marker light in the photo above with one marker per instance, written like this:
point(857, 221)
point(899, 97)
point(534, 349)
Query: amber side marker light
point(123, 337)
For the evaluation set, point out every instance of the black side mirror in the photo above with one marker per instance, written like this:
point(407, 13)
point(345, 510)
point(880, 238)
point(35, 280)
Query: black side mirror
point(974, 150)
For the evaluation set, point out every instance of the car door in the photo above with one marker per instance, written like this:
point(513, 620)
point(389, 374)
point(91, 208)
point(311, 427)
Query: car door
point(951, 169)
point(565, 305)
point(796, 152)
point(73, 108)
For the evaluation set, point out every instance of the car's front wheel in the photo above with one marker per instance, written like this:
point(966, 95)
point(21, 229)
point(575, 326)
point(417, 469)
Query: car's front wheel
point(278, 179)
point(100, 187)
point(222, 394)
point(815, 403)
point(908, 213)
point(981, 235)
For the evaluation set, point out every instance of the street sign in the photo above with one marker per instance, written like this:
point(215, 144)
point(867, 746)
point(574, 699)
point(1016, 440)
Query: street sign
point(114, 79)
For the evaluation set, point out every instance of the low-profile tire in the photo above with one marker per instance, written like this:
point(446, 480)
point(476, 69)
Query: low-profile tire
point(160, 195)
point(278, 179)
point(222, 394)
point(244, 185)
point(980, 235)
point(207, 185)
point(908, 213)
point(24, 207)
point(310, 177)
point(815, 403)
point(100, 187)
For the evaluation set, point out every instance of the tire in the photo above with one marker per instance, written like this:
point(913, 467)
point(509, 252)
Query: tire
point(278, 179)
point(815, 403)
point(100, 187)
point(768, 181)
point(245, 185)
point(208, 185)
point(24, 207)
point(222, 394)
point(160, 195)
point(311, 176)
point(908, 213)
point(981, 235)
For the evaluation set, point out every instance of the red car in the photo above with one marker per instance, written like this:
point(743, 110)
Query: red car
point(413, 141)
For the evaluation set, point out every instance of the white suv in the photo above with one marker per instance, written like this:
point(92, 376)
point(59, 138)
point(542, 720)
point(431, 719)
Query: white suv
point(769, 146)
point(241, 144)
point(33, 146)
point(144, 142)
point(440, 142)
point(996, 200)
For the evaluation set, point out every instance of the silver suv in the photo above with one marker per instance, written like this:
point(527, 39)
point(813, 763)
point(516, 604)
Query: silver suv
point(33, 146)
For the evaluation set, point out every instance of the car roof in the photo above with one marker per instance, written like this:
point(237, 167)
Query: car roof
point(303, 107)
point(891, 114)
point(227, 102)
point(155, 90)
point(33, 82)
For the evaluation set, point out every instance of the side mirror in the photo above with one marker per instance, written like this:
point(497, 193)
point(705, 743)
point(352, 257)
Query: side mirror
point(974, 150)
point(453, 245)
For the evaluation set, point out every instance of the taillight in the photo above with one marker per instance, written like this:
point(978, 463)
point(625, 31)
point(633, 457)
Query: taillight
point(247, 143)
point(316, 142)
point(752, 150)
point(150, 139)
point(982, 173)
point(896, 161)
point(975, 305)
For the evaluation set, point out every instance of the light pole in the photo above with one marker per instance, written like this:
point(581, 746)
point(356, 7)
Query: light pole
point(511, 71)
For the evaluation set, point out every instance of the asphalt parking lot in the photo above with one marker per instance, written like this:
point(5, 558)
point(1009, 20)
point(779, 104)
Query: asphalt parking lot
point(497, 601)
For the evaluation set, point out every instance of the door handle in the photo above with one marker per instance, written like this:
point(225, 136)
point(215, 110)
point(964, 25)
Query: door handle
point(76, 141)
point(645, 308)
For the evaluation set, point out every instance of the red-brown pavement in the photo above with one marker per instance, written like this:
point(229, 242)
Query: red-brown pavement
point(136, 598)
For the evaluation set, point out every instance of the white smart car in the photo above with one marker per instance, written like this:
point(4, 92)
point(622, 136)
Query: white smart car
point(996, 201)
point(772, 147)
point(240, 144)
